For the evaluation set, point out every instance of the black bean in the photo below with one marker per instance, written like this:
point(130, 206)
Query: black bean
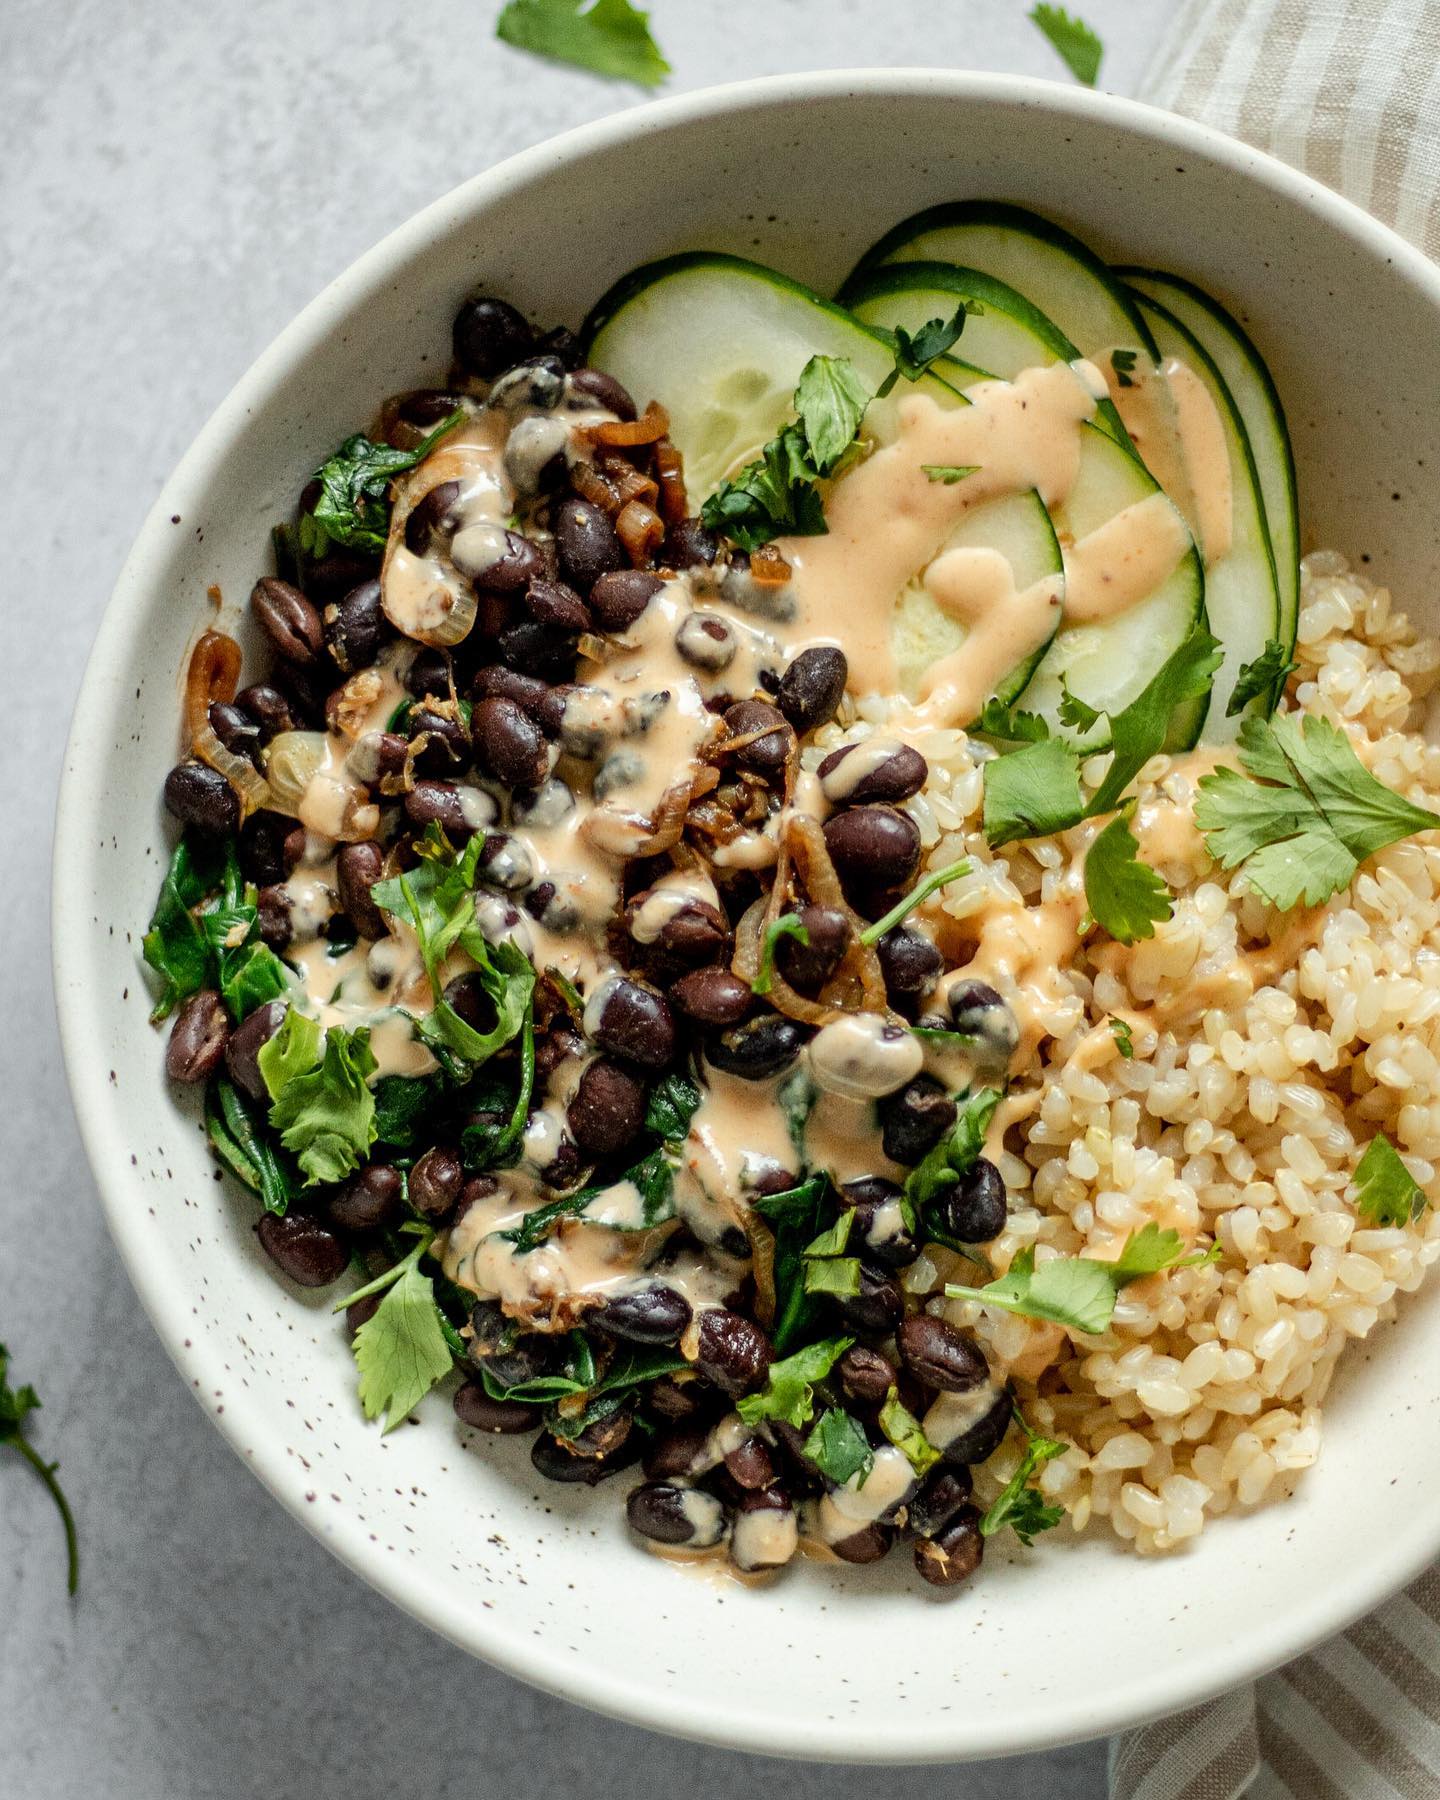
point(973, 1210)
point(478, 1188)
point(537, 650)
point(944, 1492)
point(246, 1043)
point(197, 1038)
point(940, 1356)
point(699, 934)
point(617, 599)
point(272, 909)
point(753, 1556)
point(564, 1168)
point(368, 1200)
point(867, 1545)
point(954, 1553)
point(270, 846)
point(511, 573)
point(269, 707)
point(234, 727)
point(672, 1398)
point(879, 1305)
point(808, 966)
point(607, 1110)
point(674, 1452)
point(899, 776)
point(356, 627)
point(750, 1464)
point(732, 1351)
point(434, 518)
point(288, 619)
point(556, 1462)
point(468, 996)
point(633, 1022)
point(865, 1376)
point(651, 1315)
point(766, 756)
point(915, 1119)
point(505, 862)
point(672, 1515)
point(587, 544)
point(422, 409)
point(474, 1407)
point(606, 1436)
point(435, 1182)
point(713, 997)
point(878, 1231)
point(554, 1046)
point(357, 868)
point(983, 1438)
point(202, 798)
point(812, 688)
point(489, 335)
point(508, 1355)
point(562, 343)
point(909, 961)
point(761, 1047)
point(544, 704)
point(301, 1247)
point(444, 743)
point(874, 849)
point(801, 1476)
point(332, 576)
point(605, 391)
point(429, 674)
point(976, 1009)
point(553, 603)
point(438, 803)
point(707, 641)
point(688, 544)
point(535, 385)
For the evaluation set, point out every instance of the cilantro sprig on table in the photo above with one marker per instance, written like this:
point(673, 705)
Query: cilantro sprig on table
point(16, 1405)
point(1079, 1292)
point(1304, 815)
point(1075, 42)
point(608, 37)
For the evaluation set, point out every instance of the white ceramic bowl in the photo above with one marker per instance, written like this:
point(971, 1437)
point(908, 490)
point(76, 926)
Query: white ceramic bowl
point(1069, 1640)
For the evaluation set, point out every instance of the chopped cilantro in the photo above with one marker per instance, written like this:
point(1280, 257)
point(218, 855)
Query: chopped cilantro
point(1124, 1041)
point(905, 1432)
point(789, 1392)
point(1032, 792)
point(950, 473)
point(1073, 40)
point(1123, 363)
point(1125, 896)
point(914, 352)
point(1264, 679)
point(839, 1448)
point(1386, 1193)
point(610, 37)
point(921, 892)
point(16, 1404)
point(403, 1349)
point(1018, 1504)
point(787, 925)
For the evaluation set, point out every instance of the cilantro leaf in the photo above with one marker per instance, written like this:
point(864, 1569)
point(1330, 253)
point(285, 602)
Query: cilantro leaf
point(1079, 1292)
point(16, 1404)
point(1309, 815)
point(352, 508)
point(787, 925)
point(827, 1269)
point(789, 1392)
point(1125, 896)
point(830, 402)
point(1032, 792)
point(321, 1106)
point(175, 945)
point(998, 720)
point(401, 1104)
point(236, 1130)
point(674, 1101)
point(905, 1432)
point(914, 352)
point(921, 892)
point(610, 38)
point(1139, 730)
point(775, 495)
point(1264, 678)
point(1073, 40)
point(1386, 1193)
point(838, 1447)
point(402, 1350)
point(955, 1155)
point(1124, 1040)
point(1019, 1505)
point(1078, 714)
point(795, 1216)
point(949, 473)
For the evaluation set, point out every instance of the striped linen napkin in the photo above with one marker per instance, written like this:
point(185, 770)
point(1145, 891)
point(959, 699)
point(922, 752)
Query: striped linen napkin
point(1348, 90)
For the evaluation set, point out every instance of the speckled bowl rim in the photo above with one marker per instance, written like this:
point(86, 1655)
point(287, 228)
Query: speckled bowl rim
point(1320, 1609)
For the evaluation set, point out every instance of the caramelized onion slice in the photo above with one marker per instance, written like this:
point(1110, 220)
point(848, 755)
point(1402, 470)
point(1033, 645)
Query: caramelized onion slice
point(239, 771)
point(213, 675)
point(652, 425)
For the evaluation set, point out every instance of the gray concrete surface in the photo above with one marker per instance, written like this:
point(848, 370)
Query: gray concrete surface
point(177, 180)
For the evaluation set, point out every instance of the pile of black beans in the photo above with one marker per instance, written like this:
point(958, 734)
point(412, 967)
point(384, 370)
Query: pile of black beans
point(566, 573)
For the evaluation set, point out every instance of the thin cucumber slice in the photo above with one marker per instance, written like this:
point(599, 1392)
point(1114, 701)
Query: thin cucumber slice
point(1241, 595)
point(720, 342)
point(1054, 270)
point(1106, 664)
point(1244, 373)
point(1007, 335)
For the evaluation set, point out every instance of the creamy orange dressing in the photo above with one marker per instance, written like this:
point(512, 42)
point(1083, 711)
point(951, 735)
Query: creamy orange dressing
point(1115, 566)
point(1004, 625)
point(1175, 425)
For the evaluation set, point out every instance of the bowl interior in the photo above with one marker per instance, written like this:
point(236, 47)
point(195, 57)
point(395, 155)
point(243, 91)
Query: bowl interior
point(1070, 1639)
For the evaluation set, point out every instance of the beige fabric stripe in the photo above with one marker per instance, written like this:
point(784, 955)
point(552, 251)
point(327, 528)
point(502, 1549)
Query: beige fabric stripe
point(1390, 85)
point(1207, 1753)
point(1368, 1735)
point(1284, 1706)
point(1283, 26)
point(1295, 1769)
point(1418, 1681)
point(1417, 209)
